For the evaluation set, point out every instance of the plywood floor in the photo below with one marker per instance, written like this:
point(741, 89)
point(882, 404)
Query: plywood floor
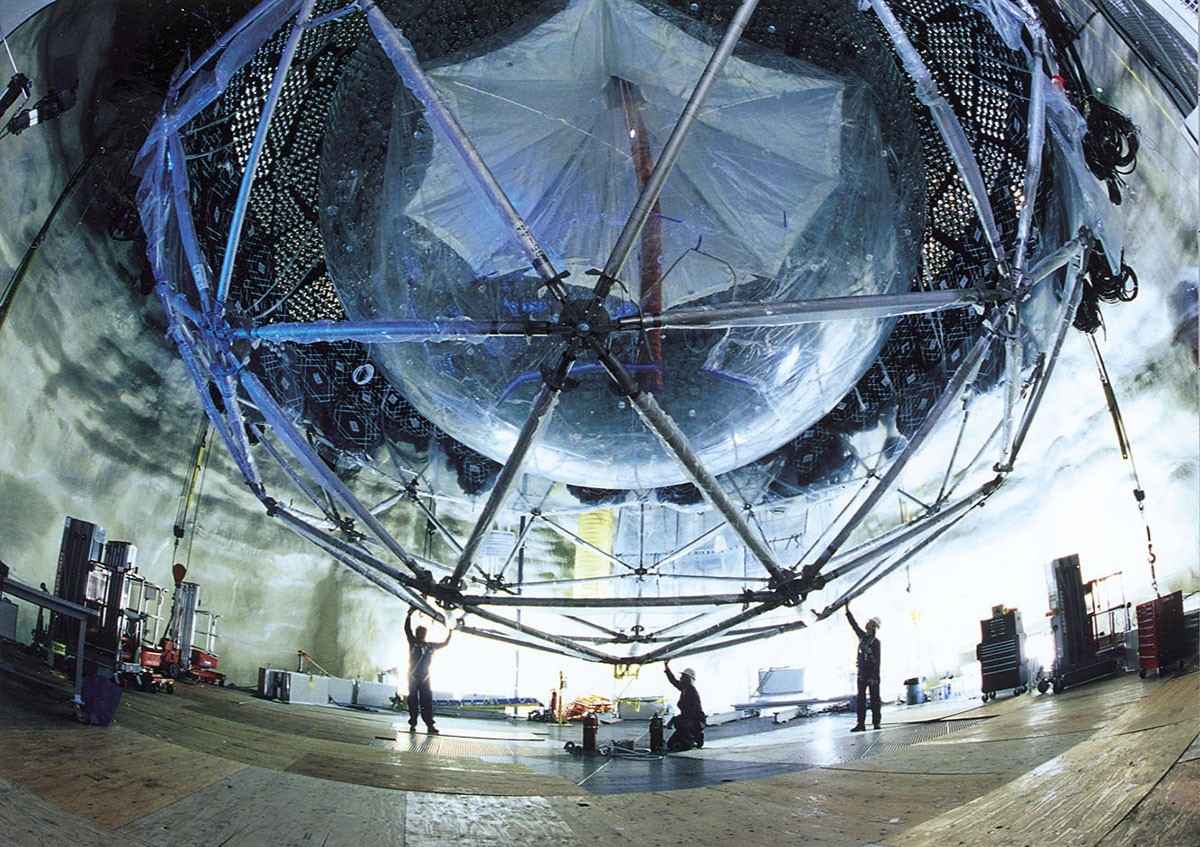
point(1111, 763)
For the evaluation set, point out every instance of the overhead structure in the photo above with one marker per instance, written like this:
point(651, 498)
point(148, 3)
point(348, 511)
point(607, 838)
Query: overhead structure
point(623, 329)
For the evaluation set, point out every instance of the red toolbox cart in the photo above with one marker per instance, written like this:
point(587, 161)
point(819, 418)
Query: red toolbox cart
point(1160, 633)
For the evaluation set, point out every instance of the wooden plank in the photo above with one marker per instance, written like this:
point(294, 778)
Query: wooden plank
point(1162, 701)
point(196, 731)
point(107, 775)
point(256, 714)
point(435, 820)
point(837, 806)
point(1084, 709)
point(814, 807)
point(689, 818)
point(28, 820)
point(256, 807)
point(436, 774)
point(1073, 799)
point(1169, 815)
point(1009, 756)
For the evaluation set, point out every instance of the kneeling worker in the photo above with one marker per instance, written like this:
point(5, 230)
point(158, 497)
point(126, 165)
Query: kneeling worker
point(689, 722)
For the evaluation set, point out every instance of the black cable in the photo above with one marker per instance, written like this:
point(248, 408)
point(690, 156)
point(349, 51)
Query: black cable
point(1110, 146)
point(1100, 284)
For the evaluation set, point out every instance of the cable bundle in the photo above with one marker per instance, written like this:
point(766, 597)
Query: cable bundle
point(1101, 284)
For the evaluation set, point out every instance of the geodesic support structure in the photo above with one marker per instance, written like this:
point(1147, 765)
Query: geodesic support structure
point(1035, 217)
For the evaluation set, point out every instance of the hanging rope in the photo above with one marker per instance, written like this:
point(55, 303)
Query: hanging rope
point(1139, 493)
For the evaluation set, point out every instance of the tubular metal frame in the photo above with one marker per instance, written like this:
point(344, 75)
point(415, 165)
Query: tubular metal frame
point(213, 352)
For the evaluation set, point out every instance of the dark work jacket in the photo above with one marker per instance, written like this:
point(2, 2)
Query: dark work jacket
point(868, 651)
point(690, 709)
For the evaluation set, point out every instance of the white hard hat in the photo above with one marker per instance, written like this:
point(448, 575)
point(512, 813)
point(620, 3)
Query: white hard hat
point(875, 621)
point(690, 672)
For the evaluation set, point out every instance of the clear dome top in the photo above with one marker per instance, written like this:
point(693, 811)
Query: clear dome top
point(784, 191)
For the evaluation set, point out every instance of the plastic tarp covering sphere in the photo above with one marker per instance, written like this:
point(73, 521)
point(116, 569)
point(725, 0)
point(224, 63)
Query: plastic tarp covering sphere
point(608, 327)
point(785, 192)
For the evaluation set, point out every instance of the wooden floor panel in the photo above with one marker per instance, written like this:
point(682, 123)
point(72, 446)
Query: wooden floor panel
point(1113, 763)
point(108, 775)
point(29, 820)
point(257, 807)
point(946, 756)
point(450, 776)
point(1169, 815)
point(1077, 797)
point(840, 806)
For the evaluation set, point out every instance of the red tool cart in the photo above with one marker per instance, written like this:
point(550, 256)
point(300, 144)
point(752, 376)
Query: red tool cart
point(1160, 633)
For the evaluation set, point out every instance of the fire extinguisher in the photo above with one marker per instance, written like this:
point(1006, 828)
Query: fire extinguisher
point(656, 734)
point(590, 725)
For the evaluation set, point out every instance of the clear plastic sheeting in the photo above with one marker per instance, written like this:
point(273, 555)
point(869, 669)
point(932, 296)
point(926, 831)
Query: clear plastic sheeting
point(822, 351)
point(784, 192)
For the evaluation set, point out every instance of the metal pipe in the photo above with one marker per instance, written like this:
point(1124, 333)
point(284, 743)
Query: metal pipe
point(664, 427)
point(181, 208)
point(518, 550)
point(260, 137)
point(757, 634)
point(666, 161)
point(189, 353)
point(688, 547)
point(220, 44)
point(543, 406)
point(313, 463)
point(919, 527)
point(530, 645)
point(289, 471)
point(226, 383)
point(947, 124)
point(793, 312)
point(963, 373)
point(1058, 259)
point(865, 583)
point(1033, 170)
point(474, 600)
point(583, 542)
point(675, 648)
point(583, 652)
point(1069, 304)
point(401, 586)
point(393, 330)
point(404, 59)
point(676, 442)
point(442, 529)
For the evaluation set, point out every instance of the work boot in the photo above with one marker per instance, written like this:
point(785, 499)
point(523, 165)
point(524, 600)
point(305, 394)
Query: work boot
point(432, 730)
point(858, 728)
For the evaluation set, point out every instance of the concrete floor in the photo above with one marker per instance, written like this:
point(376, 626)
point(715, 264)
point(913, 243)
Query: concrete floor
point(1112, 762)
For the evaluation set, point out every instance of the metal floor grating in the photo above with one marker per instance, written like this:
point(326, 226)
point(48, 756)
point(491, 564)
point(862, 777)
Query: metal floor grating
point(897, 737)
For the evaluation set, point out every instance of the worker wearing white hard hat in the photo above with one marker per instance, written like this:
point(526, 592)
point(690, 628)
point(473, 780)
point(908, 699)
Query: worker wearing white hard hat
point(689, 722)
point(868, 671)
